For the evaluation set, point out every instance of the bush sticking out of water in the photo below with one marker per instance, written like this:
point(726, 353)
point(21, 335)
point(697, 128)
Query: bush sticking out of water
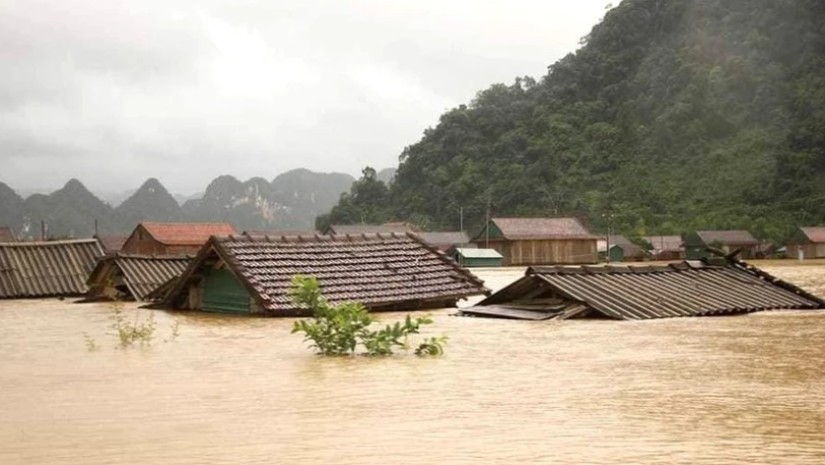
point(91, 344)
point(339, 329)
point(133, 332)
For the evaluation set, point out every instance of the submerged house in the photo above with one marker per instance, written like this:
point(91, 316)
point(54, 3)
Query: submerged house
point(151, 238)
point(355, 229)
point(474, 257)
point(697, 243)
point(693, 288)
point(111, 244)
point(46, 269)
point(539, 241)
point(446, 240)
point(133, 277)
point(622, 250)
point(253, 275)
point(666, 248)
point(807, 242)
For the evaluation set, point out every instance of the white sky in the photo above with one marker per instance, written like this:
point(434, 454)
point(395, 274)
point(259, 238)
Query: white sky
point(113, 92)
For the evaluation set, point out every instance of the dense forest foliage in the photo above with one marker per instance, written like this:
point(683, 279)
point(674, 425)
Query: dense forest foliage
point(673, 115)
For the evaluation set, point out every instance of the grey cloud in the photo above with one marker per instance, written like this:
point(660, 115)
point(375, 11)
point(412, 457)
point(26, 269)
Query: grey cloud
point(184, 90)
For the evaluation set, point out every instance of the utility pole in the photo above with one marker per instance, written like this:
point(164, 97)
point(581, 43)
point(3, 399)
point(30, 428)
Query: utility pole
point(461, 218)
point(487, 226)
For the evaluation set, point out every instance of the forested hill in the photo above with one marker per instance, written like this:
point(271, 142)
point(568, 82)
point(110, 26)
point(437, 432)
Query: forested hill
point(673, 115)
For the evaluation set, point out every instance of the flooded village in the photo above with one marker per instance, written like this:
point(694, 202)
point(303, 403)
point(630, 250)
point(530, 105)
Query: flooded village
point(704, 389)
point(412, 232)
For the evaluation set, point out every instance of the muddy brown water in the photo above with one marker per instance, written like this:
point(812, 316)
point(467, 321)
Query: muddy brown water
point(727, 390)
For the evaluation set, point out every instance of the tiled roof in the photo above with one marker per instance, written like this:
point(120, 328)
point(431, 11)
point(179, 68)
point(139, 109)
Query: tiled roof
point(7, 235)
point(378, 270)
point(815, 234)
point(542, 228)
point(445, 240)
point(141, 274)
point(353, 229)
point(630, 249)
point(635, 293)
point(733, 237)
point(187, 233)
point(44, 269)
point(112, 244)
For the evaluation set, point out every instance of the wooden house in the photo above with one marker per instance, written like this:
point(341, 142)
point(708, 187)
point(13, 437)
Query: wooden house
point(539, 241)
point(253, 275)
point(807, 242)
point(173, 238)
point(111, 244)
point(666, 248)
point(695, 288)
point(132, 277)
point(46, 269)
point(698, 242)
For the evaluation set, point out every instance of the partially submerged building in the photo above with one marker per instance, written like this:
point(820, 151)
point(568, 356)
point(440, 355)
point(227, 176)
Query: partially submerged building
point(621, 249)
point(692, 288)
point(666, 248)
point(253, 275)
point(151, 238)
point(474, 257)
point(539, 241)
point(698, 244)
point(111, 244)
point(446, 241)
point(133, 277)
point(46, 269)
point(807, 242)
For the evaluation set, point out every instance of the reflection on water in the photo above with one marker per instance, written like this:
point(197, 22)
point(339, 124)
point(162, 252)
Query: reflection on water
point(747, 389)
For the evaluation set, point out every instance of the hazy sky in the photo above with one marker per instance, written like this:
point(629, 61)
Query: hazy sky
point(112, 92)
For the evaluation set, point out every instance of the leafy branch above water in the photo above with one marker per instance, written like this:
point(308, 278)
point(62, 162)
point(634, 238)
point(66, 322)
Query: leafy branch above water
point(339, 329)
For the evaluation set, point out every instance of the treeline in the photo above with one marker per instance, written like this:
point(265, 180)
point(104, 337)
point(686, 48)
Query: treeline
point(674, 115)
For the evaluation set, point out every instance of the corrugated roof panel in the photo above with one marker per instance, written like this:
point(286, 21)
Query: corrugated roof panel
point(684, 289)
point(43, 269)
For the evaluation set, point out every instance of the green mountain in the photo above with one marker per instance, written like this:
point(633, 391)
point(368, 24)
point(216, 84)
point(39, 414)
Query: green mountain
point(673, 115)
point(68, 212)
point(151, 202)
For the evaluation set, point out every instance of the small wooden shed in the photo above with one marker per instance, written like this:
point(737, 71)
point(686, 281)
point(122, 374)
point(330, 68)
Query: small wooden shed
point(807, 242)
point(539, 241)
point(666, 247)
point(622, 250)
point(474, 257)
point(253, 275)
point(698, 242)
point(150, 238)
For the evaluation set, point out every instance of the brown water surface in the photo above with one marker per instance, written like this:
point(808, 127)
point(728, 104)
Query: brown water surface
point(727, 390)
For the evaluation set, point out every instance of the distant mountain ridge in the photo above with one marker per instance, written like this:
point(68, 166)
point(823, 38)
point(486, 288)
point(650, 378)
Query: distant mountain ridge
point(291, 200)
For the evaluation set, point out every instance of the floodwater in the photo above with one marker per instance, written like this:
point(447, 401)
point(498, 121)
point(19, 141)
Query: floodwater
point(727, 390)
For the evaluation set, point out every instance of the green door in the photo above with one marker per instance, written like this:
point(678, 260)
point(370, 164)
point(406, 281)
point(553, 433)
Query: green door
point(223, 293)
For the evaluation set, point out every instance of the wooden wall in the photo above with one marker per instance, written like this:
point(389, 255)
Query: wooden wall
point(547, 251)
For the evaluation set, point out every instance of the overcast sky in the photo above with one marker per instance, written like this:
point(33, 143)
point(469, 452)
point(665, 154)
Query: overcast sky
point(112, 92)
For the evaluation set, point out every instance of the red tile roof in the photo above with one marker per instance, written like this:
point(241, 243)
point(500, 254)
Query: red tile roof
point(815, 234)
point(112, 243)
point(377, 270)
point(187, 233)
point(7, 235)
point(542, 228)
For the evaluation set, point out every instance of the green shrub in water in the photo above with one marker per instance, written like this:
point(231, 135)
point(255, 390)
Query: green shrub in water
point(339, 329)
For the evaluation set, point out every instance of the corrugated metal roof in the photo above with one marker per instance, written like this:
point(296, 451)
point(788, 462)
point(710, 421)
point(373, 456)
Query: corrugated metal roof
point(681, 289)
point(378, 270)
point(542, 228)
point(444, 240)
point(186, 233)
point(45, 269)
point(478, 253)
point(733, 237)
point(141, 274)
point(816, 234)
